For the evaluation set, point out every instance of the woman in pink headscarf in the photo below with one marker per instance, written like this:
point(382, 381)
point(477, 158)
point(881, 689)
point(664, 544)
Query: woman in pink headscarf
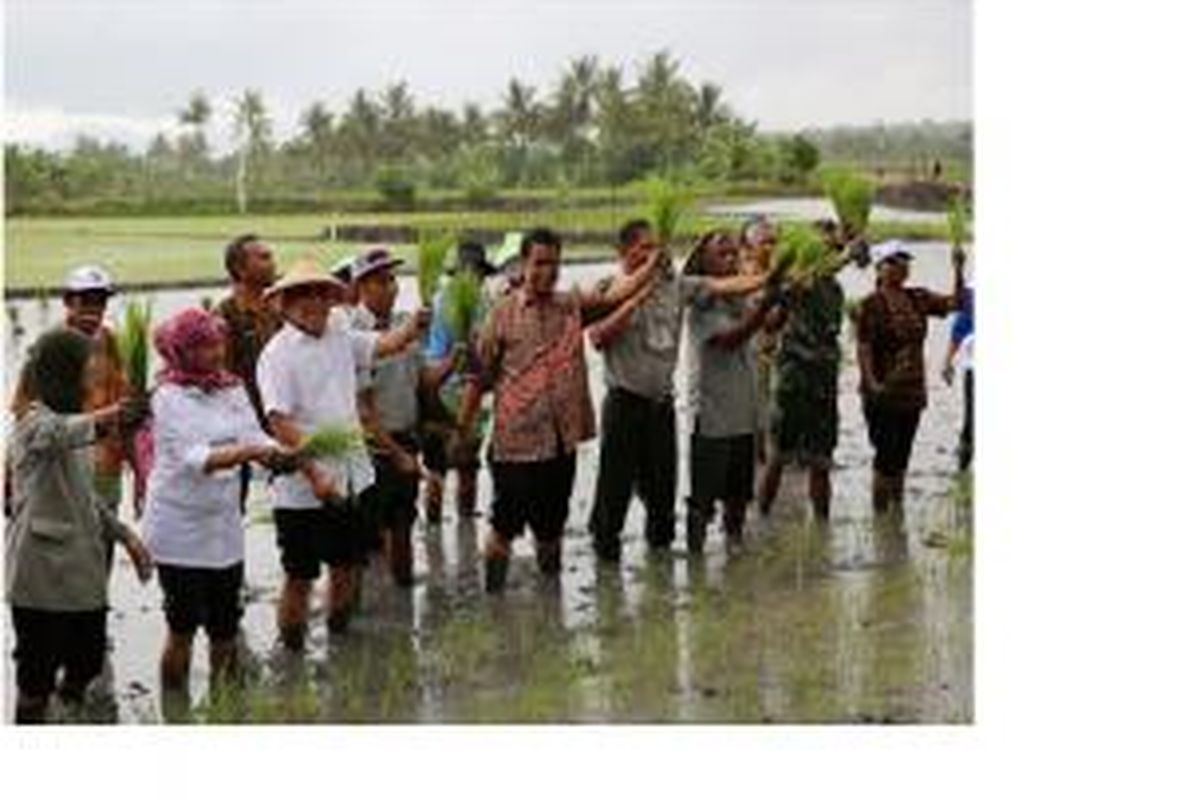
point(204, 428)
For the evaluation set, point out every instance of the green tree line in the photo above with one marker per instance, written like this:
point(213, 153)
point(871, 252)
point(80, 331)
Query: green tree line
point(594, 126)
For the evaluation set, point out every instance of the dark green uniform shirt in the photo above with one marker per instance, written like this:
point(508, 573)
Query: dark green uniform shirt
point(814, 324)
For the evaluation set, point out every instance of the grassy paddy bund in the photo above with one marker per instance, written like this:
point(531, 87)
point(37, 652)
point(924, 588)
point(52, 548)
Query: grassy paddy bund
point(37, 251)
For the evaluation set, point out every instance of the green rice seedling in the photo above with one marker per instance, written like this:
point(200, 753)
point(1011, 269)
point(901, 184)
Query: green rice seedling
point(431, 258)
point(851, 195)
point(133, 344)
point(331, 441)
point(462, 300)
point(800, 252)
point(956, 220)
point(666, 204)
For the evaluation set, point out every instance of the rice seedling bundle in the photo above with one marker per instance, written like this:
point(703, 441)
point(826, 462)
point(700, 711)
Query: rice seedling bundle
point(956, 220)
point(666, 203)
point(133, 345)
point(461, 304)
point(331, 441)
point(851, 195)
point(431, 257)
point(801, 251)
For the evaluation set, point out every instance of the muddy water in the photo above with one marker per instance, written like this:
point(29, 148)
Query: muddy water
point(856, 623)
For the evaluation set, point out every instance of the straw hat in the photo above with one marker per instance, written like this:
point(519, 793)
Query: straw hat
point(305, 272)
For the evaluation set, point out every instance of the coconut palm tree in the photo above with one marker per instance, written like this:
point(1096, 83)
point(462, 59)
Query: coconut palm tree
point(397, 111)
point(710, 109)
point(193, 147)
point(360, 132)
point(252, 132)
point(316, 125)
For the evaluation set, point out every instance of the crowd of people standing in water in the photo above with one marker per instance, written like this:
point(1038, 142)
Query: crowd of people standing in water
point(283, 356)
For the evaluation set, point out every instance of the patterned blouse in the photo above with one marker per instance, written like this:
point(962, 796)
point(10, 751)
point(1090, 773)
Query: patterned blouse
point(894, 327)
point(533, 356)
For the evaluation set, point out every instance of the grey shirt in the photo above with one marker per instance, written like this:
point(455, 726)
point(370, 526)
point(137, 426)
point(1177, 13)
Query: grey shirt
point(641, 358)
point(722, 389)
point(395, 379)
point(56, 542)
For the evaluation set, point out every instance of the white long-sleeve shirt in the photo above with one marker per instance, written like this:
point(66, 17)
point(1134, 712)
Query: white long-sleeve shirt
point(193, 519)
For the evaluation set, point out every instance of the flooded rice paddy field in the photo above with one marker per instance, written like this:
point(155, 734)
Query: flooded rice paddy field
point(859, 622)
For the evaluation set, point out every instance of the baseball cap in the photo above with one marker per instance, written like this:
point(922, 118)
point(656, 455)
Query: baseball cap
point(892, 248)
point(373, 259)
point(89, 278)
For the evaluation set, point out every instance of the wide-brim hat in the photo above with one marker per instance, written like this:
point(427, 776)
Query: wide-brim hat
point(305, 272)
point(373, 260)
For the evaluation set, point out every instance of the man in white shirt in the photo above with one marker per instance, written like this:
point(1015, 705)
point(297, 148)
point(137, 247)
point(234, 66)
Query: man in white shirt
point(307, 376)
point(389, 408)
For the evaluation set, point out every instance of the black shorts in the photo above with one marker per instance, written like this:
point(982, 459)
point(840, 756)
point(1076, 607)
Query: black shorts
point(339, 536)
point(804, 413)
point(208, 597)
point(48, 641)
point(891, 431)
point(722, 468)
point(392, 499)
point(437, 460)
point(534, 493)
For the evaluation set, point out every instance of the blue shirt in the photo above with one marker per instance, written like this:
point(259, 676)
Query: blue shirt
point(964, 320)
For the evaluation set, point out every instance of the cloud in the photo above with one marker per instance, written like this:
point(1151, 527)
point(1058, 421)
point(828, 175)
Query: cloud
point(783, 63)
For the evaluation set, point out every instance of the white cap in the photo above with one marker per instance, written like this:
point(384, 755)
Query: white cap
point(89, 278)
point(889, 249)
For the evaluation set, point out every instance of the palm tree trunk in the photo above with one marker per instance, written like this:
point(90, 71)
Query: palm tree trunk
point(240, 181)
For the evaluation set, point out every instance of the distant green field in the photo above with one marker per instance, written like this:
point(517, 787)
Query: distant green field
point(38, 251)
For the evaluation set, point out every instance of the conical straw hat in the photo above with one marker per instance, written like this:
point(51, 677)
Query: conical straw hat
point(305, 272)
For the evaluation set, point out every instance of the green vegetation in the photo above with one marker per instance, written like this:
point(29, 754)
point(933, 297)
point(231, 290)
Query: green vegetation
point(801, 249)
point(597, 126)
point(133, 344)
point(851, 195)
point(331, 441)
point(956, 221)
point(431, 262)
point(464, 294)
point(666, 204)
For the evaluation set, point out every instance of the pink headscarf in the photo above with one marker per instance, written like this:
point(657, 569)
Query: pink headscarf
point(177, 340)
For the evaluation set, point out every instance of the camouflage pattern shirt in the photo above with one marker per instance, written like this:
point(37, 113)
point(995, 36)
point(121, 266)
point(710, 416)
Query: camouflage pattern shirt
point(814, 324)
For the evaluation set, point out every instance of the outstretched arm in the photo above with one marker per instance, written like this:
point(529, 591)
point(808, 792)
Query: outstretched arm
point(940, 305)
point(594, 303)
point(737, 335)
point(398, 339)
point(731, 285)
point(610, 328)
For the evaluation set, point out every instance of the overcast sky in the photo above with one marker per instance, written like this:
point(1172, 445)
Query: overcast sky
point(122, 68)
